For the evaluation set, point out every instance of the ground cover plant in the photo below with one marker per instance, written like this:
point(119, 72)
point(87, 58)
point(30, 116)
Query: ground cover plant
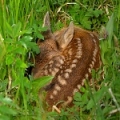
point(21, 25)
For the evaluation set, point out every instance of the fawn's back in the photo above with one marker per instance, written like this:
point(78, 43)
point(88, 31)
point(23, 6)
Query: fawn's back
point(69, 55)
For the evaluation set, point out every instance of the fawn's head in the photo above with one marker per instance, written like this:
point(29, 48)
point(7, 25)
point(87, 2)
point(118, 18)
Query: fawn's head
point(52, 45)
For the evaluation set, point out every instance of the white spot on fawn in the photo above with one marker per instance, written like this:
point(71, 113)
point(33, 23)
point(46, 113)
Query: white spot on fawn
point(86, 75)
point(93, 63)
point(89, 70)
point(45, 72)
point(79, 53)
point(75, 61)
point(51, 96)
point(55, 92)
point(73, 66)
point(94, 52)
point(94, 40)
point(53, 73)
point(91, 35)
point(57, 87)
point(51, 62)
point(75, 90)
point(78, 86)
point(61, 80)
point(68, 70)
point(78, 56)
point(61, 61)
point(78, 40)
point(57, 65)
point(66, 75)
point(91, 66)
point(69, 100)
point(56, 69)
point(80, 46)
point(94, 59)
point(83, 81)
point(70, 52)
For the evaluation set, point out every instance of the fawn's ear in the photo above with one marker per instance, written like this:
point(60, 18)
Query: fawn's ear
point(67, 36)
point(46, 23)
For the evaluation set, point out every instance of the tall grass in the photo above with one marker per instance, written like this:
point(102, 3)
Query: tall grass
point(18, 25)
point(21, 24)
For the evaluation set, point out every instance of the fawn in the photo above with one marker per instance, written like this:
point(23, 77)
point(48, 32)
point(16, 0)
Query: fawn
point(69, 55)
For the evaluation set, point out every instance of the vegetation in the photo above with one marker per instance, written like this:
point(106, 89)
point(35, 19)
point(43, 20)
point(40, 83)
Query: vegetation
point(20, 25)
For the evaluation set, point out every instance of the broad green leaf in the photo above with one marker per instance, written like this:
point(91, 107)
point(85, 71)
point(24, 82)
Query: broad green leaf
point(86, 22)
point(20, 50)
point(9, 30)
point(27, 31)
point(97, 13)
point(41, 82)
point(28, 44)
point(6, 110)
point(20, 63)
point(10, 59)
point(90, 104)
point(77, 96)
point(40, 36)
point(16, 29)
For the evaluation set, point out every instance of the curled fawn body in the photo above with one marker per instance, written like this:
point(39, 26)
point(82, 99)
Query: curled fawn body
point(69, 55)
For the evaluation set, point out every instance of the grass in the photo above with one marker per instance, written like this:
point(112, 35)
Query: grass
point(21, 24)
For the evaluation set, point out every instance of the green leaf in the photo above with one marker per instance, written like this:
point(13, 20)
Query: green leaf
point(86, 23)
point(25, 41)
point(10, 59)
point(40, 36)
point(9, 30)
point(27, 31)
point(21, 64)
point(28, 44)
point(16, 29)
point(77, 96)
point(97, 13)
point(7, 110)
point(20, 50)
point(5, 100)
point(40, 82)
point(90, 104)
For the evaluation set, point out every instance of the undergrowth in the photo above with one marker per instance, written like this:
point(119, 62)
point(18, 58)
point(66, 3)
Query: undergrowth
point(20, 26)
